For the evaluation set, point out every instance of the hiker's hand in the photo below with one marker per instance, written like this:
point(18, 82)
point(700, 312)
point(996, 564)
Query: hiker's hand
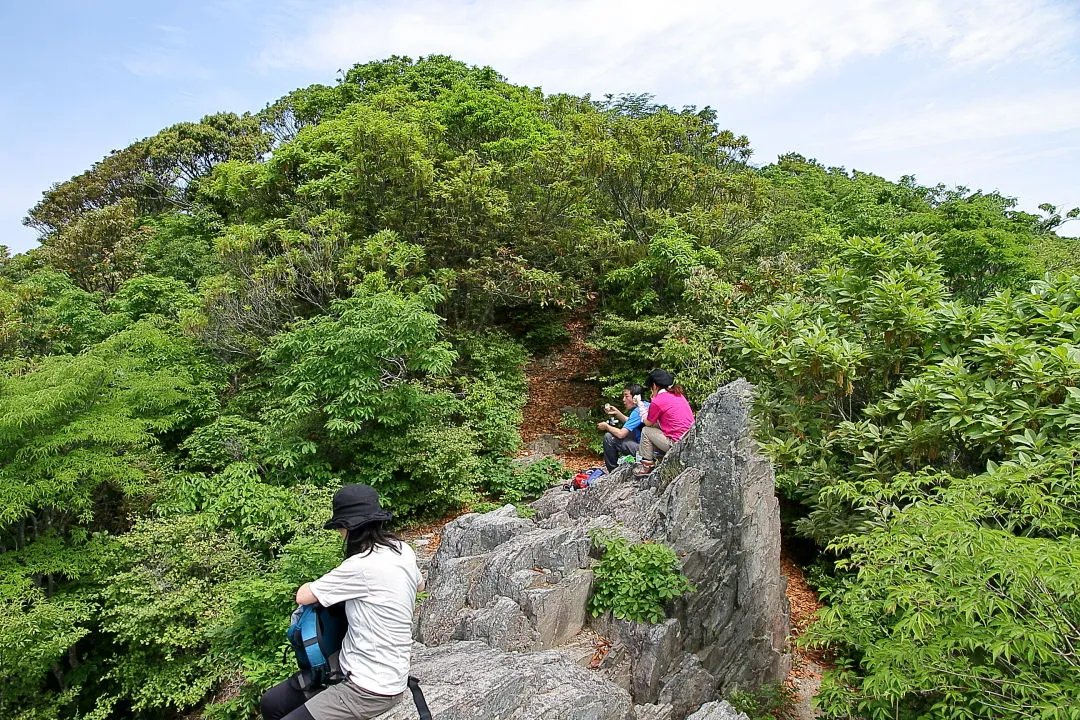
point(603, 427)
point(609, 408)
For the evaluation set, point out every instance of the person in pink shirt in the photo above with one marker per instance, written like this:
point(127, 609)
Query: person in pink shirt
point(667, 419)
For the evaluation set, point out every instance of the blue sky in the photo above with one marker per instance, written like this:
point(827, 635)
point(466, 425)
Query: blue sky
point(980, 93)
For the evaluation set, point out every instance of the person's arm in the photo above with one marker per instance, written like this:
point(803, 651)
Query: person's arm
point(643, 412)
point(612, 410)
point(304, 596)
point(347, 581)
point(616, 431)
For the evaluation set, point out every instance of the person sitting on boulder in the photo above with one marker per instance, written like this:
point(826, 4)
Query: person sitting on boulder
point(377, 581)
point(622, 441)
point(666, 419)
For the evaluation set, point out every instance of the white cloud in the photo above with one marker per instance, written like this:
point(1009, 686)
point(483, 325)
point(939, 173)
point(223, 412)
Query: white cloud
point(171, 56)
point(990, 118)
point(731, 48)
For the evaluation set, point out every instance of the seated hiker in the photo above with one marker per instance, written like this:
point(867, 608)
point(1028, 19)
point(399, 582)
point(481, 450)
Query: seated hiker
point(377, 581)
point(620, 441)
point(666, 419)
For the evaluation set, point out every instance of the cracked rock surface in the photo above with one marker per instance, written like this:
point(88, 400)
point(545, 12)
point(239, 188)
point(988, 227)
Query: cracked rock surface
point(505, 593)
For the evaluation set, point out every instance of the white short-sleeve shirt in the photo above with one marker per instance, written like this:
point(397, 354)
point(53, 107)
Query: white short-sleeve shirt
point(379, 591)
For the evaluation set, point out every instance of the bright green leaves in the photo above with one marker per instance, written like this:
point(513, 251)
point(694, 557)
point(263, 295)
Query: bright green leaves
point(635, 582)
point(858, 328)
point(46, 313)
point(658, 280)
point(161, 602)
point(934, 445)
point(77, 424)
point(946, 613)
point(38, 633)
point(151, 295)
point(358, 403)
point(362, 364)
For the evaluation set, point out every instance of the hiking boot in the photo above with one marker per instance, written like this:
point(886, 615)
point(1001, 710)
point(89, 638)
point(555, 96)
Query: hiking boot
point(643, 468)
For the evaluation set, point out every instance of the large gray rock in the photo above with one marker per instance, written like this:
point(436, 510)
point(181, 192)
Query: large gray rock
point(717, 711)
point(522, 585)
point(528, 592)
point(471, 681)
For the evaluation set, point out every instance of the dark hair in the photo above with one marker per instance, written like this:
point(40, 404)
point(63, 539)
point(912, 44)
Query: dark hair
point(362, 540)
point(663, 380)
point(635, 389)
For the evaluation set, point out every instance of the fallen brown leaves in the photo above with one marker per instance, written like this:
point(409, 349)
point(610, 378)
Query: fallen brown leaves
point(603, 647)
point(559, 380)
point(804, 602)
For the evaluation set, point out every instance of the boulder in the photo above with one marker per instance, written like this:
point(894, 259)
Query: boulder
point(527, 592)
point(472, 681)
point(523, 584)
point(717, 711)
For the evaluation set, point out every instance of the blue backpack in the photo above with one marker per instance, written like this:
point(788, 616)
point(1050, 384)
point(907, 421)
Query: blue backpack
point(315, 634)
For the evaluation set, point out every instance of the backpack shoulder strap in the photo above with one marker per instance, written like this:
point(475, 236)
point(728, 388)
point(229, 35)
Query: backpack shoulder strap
point(418, 699)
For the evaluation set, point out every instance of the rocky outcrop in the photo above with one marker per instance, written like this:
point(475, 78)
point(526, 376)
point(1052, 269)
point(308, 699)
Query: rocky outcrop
point(472, 681)
point(717, 711)
point(521, 585)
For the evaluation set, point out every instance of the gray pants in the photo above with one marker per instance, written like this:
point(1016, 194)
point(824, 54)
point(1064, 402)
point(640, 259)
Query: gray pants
point(653, 440)
point(615, 448)
point(346, 701)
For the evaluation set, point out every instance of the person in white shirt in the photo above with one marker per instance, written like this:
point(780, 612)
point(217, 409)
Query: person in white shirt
point(378, 582)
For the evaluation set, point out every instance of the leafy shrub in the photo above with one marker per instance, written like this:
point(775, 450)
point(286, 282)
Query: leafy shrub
point(582, 431)
point(151, 295)
point(948, 614)
point(228, 439)
point(544, 331)
point(491, 377)
point(356, 404)
point(162, 598)
point(861, 326)
point(250, 633)
point(935, 445)
point(522, 511)
point(774, 701)
point(516, 483)
point(635, 582)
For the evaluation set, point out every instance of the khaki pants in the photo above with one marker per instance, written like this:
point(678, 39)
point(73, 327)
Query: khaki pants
point(652, 440)
point(346, 701)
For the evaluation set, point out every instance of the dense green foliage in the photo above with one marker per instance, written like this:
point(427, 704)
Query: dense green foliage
point(231, 318)
point(635, 581)
point(768, 702)
point(933, 444)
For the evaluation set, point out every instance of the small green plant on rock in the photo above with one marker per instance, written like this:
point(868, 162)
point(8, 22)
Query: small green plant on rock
point(635, 581)
point(775, 701)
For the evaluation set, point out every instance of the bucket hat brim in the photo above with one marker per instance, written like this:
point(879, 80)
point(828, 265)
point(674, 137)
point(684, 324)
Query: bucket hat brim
point(356, 505)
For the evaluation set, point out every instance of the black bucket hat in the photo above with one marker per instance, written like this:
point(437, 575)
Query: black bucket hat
point(356, 505)
point(659, 377)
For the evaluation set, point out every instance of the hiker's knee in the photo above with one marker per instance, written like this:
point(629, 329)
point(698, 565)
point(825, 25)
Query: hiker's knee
point(278, 701)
